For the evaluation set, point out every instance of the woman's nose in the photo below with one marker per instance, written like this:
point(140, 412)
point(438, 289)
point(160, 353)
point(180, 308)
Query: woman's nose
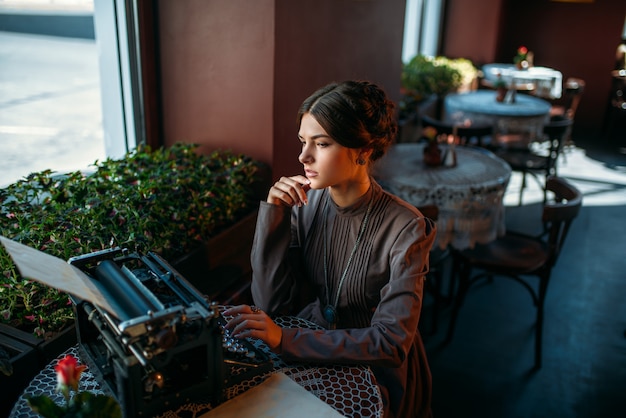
point(304, 156)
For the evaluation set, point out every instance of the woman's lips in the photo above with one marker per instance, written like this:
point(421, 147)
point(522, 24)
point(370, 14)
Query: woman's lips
point(310, 173)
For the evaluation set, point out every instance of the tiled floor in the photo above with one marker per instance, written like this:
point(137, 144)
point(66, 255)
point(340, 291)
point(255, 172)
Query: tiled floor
point(486, 369)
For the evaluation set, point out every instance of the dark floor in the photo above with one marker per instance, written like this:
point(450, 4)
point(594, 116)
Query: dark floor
point(486, 370)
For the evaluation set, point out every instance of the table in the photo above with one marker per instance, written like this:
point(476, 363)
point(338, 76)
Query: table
point(351, 390)
point(469, 196)
point(525, 117)
point(546, 82)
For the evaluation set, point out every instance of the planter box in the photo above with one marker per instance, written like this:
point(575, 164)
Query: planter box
point(221, 268)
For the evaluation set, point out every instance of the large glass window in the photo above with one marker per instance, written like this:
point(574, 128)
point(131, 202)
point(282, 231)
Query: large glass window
point(50, 103)
point(422, 26)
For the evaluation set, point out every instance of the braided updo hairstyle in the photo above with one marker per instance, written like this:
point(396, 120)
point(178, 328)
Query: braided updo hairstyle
point(356, 114)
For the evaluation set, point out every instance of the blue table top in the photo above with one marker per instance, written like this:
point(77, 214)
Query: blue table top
point(484, 102)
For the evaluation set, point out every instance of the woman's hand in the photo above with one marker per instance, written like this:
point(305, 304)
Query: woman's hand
point(250, 321)
point(289, 191)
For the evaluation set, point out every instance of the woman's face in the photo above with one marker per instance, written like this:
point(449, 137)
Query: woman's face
point(326, 162)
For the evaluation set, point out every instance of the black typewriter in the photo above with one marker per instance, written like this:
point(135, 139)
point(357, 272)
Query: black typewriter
point(164, 344)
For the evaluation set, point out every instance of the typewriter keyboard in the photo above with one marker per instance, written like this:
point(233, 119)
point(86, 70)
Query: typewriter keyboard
point(240, 351)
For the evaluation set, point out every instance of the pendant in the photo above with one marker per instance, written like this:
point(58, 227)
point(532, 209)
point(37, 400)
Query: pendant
point(330, 315)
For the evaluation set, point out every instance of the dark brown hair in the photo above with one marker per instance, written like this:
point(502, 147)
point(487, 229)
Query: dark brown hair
point(356, 114)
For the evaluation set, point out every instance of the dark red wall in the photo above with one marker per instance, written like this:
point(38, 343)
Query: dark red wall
point(579, 39)
point(233, 73)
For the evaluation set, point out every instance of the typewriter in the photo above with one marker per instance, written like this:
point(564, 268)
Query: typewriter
point(164, 344)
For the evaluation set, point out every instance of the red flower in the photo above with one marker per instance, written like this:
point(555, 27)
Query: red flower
point(522, 50)
point(68, 373)
point(82, 404)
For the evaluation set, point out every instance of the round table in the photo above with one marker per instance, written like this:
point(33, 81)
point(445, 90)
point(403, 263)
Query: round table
point(469, 196)
point(546, 82)
point(526, 116)
point(350, 390)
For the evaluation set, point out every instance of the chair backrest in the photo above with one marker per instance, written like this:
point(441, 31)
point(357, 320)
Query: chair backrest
point(566, 106)
point(559, 212)
point(466, 134)
point(430, 211)
point(555, 132)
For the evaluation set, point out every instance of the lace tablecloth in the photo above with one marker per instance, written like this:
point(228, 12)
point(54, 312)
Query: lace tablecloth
point(469, 195)
point(351, 390)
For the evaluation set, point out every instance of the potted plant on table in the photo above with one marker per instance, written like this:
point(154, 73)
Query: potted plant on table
point(523, 58)
point(432, 151)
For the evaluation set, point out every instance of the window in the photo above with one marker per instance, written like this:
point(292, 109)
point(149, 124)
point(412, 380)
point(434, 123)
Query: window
point(120, 75)
point(422, 25)
point(50, 101)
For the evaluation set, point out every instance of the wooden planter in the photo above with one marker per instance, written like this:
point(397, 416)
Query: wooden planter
point(221, 268)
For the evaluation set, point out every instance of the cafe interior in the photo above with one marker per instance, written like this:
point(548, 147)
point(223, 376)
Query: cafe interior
point(227, 74)
point(259, 70)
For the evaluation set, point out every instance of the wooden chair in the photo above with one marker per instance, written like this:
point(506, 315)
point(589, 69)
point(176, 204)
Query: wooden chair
point(540, 158)
point(521, 257)
point(477, 135)
point(567, 105)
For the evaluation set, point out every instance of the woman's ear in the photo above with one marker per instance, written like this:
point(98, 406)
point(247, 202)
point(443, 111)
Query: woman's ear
point(364, 155)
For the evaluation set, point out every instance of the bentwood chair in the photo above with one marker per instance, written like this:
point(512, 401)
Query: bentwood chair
point(567, 105)
point(540, 158)
point(526, 259)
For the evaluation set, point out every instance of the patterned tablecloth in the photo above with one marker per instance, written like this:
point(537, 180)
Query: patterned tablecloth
point(469, 195)
point(351, 390)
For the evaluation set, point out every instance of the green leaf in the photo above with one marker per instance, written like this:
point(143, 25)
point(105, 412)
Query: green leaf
point(45, 407)
point(89, 405)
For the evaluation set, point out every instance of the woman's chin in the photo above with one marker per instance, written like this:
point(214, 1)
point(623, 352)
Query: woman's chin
point(316, 185)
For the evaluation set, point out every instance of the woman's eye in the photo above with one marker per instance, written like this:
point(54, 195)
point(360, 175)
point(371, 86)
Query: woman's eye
point(322, 144)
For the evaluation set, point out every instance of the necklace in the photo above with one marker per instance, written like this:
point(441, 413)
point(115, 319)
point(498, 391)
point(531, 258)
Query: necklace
point(330, 310)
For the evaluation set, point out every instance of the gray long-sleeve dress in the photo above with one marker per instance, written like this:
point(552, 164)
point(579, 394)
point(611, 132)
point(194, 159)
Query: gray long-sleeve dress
point(380, 300)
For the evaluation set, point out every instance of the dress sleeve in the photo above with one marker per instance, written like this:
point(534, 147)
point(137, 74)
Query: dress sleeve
point(273, 286)
point(392, 331)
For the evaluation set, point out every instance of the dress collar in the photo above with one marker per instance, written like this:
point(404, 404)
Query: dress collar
point(357, 207)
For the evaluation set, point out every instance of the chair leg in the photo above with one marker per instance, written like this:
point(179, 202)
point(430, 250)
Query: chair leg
point(438, 301)
point(454, 274)
point(464, 284)
point(433, 283)
point(521, 190)
point(543, 287)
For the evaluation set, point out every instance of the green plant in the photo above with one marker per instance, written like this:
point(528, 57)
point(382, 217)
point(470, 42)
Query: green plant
point(167, 200)
point(424, 76)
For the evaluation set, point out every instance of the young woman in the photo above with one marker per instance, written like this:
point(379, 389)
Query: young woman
point(333, 247)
